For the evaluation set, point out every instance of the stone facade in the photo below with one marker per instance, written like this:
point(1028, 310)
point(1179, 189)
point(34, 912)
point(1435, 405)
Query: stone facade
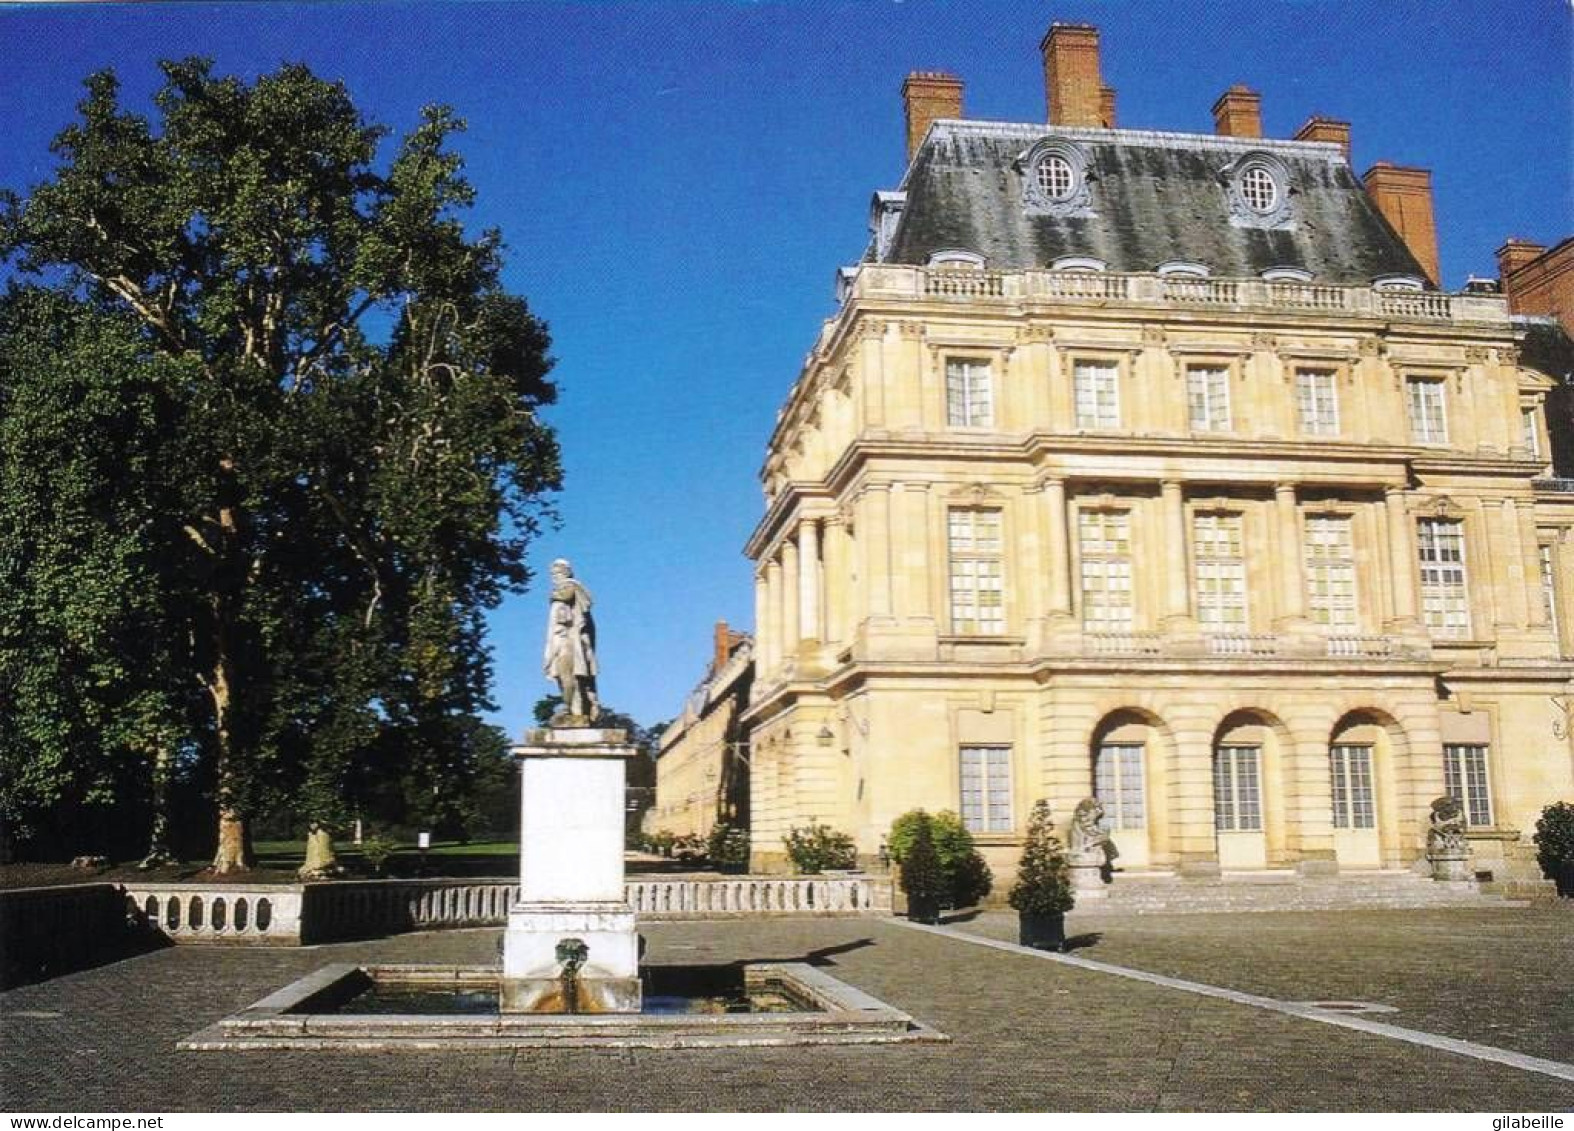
point(702, 769)
point(1267, 565)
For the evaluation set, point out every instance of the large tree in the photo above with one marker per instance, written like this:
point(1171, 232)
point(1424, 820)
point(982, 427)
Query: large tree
point(363, 462)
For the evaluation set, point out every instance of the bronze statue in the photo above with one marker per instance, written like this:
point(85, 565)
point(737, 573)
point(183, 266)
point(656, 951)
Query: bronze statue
point(570, 656)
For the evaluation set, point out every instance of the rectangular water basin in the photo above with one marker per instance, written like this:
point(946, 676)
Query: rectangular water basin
point(454, 1007)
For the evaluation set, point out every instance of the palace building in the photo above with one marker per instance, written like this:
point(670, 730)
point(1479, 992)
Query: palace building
point(1157, 467)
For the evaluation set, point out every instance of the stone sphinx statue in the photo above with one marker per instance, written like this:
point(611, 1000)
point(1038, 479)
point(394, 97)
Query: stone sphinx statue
point(1087, 838)
point(569, 659)
point(1445, 836)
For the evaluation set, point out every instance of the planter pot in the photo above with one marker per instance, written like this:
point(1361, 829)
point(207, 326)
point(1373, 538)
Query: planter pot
point(1042, 932)
point(923, 910)
point(1565, 880)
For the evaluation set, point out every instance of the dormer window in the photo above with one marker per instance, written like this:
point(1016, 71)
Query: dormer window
point(1078, 263)
point(953, 258)
point(1056, 177)
point(1398, 283)
point(1287, 275)
point(1183, 268)
point(1259, 189)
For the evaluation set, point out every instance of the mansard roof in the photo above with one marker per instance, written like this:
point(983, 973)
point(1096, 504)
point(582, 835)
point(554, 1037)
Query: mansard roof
point(1150, 198)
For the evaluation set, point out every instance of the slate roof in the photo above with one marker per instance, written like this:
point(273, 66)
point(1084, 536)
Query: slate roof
point(1155, 197)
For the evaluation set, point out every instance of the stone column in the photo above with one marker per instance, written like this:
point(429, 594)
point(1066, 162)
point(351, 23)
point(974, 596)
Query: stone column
point(910, 549)
point(1402, 554)
point(791, 630)
point(772, 655)
point(1291, 556)
point(1056, 541)
point(874, 536)
point(1177, 610)
point(809, 624)
point(762, 613)
point(836, 580)
point(1530, 561)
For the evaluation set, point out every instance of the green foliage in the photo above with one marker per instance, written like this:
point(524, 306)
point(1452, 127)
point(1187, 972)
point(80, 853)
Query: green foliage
point(1554, 839)
point(818, 847)
point(661, 842)
point(727, 847)
point(377, 851)
point(320, 511)
point(1043, 885)
point(688, 847)
point(923, 879)
point(967, 875)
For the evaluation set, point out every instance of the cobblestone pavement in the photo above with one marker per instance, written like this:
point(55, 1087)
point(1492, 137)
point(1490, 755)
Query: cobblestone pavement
point(1500, 976)
point(1028, 1034)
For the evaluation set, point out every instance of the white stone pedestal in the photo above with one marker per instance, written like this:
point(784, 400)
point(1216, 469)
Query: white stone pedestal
point(1451, 867)
point(571, 876)
point(1087, 876)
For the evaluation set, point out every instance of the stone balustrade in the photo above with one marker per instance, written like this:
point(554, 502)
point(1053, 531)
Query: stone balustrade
point(292, 914)
point(894, 281)
point(247, 914)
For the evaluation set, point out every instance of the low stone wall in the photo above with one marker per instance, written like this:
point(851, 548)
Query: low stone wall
point(53, 930)
point(292, 914)
point(243, 914)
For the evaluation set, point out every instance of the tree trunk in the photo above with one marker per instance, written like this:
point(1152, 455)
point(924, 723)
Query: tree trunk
point(158, 836)
point(234, 849)
point(321, 862)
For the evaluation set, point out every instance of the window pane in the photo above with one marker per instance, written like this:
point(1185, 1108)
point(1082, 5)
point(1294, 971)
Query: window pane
point(1097, 394)
point(1221, 572)
point(1445, 601)
point(969, 393)
point(1351, 770)
point(1316, 398)
point(1330, 572)
point(1118, 783)
point(986, 788)
point(1428, 425)
point(1105, 543)
point(977, 573)
point(1465, 777)
point(1208, 393)
point(1237, 798)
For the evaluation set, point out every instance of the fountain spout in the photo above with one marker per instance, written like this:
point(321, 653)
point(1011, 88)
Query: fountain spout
point(571, 955)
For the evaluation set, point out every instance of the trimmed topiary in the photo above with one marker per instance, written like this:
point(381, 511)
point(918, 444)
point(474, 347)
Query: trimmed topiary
point(922, 878)
point(1555, 846)
point(967, 875)
point(1042, 894)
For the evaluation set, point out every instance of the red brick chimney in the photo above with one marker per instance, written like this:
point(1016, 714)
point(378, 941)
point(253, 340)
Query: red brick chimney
point(1319, 128)
point(1073, 90)
point(1238, 113)
point(926, 96)
point(722, 645)
point(1514, 254)
point(1404, 196)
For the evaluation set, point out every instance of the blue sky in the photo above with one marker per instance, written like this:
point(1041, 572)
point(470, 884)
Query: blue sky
point(679, 181)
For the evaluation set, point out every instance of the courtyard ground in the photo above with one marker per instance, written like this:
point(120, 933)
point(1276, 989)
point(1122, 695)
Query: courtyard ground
point(1027, 1032)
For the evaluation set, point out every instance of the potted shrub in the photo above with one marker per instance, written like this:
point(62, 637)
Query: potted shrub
point(728, 848)
point(1042, 894)
point(818, 848)
point(967, 876)
point(922, 879)
point(1555, 846)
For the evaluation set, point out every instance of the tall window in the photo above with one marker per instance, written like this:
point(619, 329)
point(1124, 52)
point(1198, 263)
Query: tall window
point(1465, 778)
point(1428, 422)
point(1237, 789)
point(1330, 572)
point(1221, 572)
point(1208, 393)
point(1530, 429)
point(986, 788)
point(1350, 768)
point(1445, 600)
point(1318, 402)
point(1117, 782)
point(969, 395)
point(977, 589)
point(1105, 541)
point(1549, 588)
point(1098, 394)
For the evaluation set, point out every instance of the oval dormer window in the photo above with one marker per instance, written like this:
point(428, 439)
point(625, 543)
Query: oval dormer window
point(1259, 188)
point(1057, 179)
point(1287, 274)
point(1183, 267)
point(1079, 263)
point(1398, 283)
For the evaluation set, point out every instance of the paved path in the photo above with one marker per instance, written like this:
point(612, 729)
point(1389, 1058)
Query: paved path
point(1028, 1034)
